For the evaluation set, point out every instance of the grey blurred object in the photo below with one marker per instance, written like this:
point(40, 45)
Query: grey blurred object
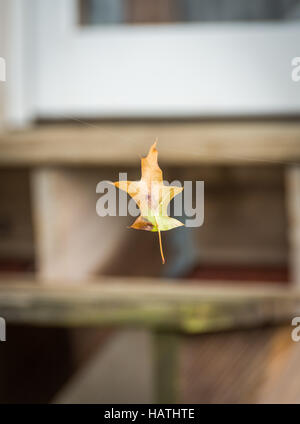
point(294, 11)
point(236, 10)
point(104, 12)
point(115, 11)
point(185, 255)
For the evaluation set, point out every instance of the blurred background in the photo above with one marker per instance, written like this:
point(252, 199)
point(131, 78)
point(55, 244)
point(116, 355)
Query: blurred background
point(89, 86)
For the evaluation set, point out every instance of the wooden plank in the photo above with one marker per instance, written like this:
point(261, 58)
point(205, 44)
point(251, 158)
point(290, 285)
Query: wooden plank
point(166, 346)
point(293, 210)
point(169, 304)
point(255, 366)
point(68, 233)
point(180, 143)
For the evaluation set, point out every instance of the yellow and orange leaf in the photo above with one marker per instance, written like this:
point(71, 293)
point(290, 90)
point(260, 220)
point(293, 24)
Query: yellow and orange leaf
point(152, 197)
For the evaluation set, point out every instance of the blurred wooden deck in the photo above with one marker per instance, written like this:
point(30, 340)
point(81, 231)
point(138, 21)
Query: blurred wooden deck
point(257, 355)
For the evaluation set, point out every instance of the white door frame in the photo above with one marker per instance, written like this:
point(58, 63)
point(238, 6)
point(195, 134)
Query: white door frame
point(18, 41)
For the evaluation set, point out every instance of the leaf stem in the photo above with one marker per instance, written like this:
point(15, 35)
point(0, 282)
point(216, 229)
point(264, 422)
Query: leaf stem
point(161, 249)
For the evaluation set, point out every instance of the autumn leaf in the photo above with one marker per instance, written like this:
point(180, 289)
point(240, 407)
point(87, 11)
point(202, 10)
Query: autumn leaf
point(152, 197)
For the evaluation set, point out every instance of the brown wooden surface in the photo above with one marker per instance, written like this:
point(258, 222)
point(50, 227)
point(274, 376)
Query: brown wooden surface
point(68, 233)
point(255, 366)
point(259, 365)
point(180, 143)
point(293, 213)
point(157, 304)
